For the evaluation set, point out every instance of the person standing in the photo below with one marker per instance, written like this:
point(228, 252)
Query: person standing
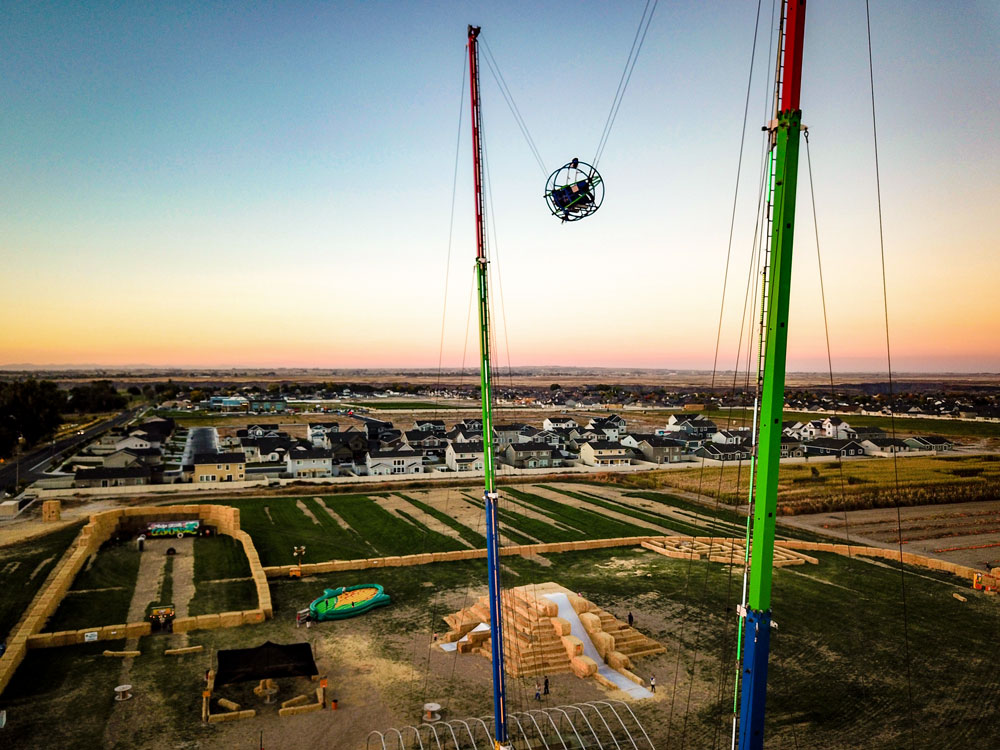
point(538, 691)
point(545, 686)
point(630, 619)
point(652, 683)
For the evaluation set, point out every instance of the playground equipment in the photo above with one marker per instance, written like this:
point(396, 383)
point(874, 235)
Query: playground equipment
point(338, 604)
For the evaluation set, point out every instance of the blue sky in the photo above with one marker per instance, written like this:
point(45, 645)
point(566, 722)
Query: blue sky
point(271, 182)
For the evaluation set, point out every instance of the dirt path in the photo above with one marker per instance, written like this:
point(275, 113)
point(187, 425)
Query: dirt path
point(184, 588)
point(394, 504)
point(333, 514)
point(307, 511)
point(678, 514)
point(149, 584)
point(152, 566)
point(577, 503)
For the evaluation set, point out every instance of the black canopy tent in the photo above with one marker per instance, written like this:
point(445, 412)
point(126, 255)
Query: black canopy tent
point(269, 660)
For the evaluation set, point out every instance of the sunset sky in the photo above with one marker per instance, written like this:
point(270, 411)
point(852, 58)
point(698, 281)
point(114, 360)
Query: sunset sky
point(269, 184)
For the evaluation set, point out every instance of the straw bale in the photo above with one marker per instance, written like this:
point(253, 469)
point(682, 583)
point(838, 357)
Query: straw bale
point(207, 622)
point(185, 624)
point(295, 710)
point(573, 645)
point(228, 704)
point(591, 622)
point(583, 666)
point(603, 642)
point(186, 650)
point(252, 616)
point(230, 619)
point(231, 716)
point(618, 660)
point(561, 626)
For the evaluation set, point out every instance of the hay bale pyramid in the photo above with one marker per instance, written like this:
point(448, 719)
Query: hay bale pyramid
point(539, 642)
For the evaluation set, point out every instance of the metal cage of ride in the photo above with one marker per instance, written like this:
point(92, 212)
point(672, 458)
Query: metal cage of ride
point(574, 191)
point(596, 724)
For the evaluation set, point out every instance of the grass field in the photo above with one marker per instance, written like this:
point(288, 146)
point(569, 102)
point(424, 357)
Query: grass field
point(221, 576)
point(102, 590)
point(849, 485)
point(23, 568)
point(842, 675)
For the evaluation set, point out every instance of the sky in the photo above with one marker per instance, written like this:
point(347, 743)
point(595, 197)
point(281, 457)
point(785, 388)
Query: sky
point(270, 184)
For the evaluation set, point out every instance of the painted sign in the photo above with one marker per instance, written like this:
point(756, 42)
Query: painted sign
point(173, 528)
point(90, 636)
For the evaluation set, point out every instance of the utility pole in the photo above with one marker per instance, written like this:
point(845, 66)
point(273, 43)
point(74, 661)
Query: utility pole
point(785, 130)
point(485, 378)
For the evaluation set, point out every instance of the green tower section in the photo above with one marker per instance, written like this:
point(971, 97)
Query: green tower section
point(786, 148)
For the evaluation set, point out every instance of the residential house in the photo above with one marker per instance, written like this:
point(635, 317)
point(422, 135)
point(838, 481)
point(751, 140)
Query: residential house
point(464, 456)
point(694, 424)
point(885, 446)
point(791, 447)
point(462, 435)
point(661, 450)
point(319, 433)
point(505, 434)
point(531, 456)
point(930, 443)
point(604, 453)
point(309, 462)
point(402, 461)
point(559, 423)
point(135, 441)
point(613, 427)
point(219, 467)
point(835, 427)
point(833, 447)
point(430, 425)
point(723, 452)
point(127, 476)
point(134, 457)
point(728, 437)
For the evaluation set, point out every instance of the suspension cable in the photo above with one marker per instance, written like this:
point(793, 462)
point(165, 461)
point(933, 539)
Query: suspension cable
point(508, 97)
point(633, 56)
point(892, 406)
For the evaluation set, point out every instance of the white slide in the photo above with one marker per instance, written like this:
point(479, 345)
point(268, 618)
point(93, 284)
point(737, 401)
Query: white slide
point(576, 628)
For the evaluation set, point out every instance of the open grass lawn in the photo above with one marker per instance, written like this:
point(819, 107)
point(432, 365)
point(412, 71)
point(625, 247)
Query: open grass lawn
point(278, 524)
point(221, 576)
point(848, 485)
point(61, 698)
point(591, 524)
point(223, 596)
point(102, 590)
point(219, 557)
point(23, 569)
point(386, 532)
point(474, 538)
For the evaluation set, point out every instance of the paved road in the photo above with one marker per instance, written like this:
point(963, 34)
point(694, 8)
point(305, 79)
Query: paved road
point(33, 464)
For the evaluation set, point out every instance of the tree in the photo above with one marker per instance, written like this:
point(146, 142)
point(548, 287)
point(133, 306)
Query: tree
point(555, 387)
point(31, 409)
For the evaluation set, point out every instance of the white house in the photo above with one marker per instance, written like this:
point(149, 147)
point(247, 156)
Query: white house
point(401, 461)
point(464, 456)
point(604, 453)
point(309, 462)
point(559, 423)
